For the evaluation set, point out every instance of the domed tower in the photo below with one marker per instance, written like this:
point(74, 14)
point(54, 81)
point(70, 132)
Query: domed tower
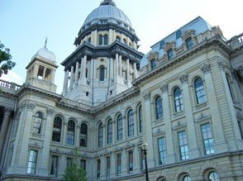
point(42, 69)
point(106, 59)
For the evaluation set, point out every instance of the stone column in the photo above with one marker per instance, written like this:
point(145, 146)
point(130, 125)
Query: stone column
point(191, 134)
point(136, 159)
point(4, 127)
point(77, 135)
point(3, 134)
point(83, 69)
point(65, 83)
point(236, 130)
point(148, 137)
point(72, 78)
point(61, 165)
point(135, 70)
point(120, 65)
point(116, 68)
point(64, 133)
point(45, 154)
point(168, 126)
point(103, 167)
point(124, 162)
point(128, 70)
point(76, 73)
point(24, 134)
point(113, 164)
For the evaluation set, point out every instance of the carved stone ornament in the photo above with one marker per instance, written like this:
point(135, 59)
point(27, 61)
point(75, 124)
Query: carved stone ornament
point(30, 106)
point(205, 68)
point(153, 55)
point(184, 78)
point(222, 66)
point(188, 34)
point(147, 96)
point(164, 88)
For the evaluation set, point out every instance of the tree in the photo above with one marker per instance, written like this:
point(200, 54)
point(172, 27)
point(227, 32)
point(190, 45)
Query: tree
point(5, 60)
point(74, 172)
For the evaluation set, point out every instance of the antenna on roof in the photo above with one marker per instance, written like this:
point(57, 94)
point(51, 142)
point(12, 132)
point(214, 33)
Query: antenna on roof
point(45, 45)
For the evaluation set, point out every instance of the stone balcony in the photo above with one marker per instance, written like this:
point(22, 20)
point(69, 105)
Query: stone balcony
point(9, 87)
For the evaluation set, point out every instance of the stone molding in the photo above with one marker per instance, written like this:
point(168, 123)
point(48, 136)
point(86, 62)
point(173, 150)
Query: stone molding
point(206, 68)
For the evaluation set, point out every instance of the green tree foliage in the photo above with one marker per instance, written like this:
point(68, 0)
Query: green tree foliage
point(74, 172)
point(5, 60)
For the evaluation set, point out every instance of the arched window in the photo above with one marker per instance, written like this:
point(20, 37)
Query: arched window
point(186, 178)
point(83, 135)
point(70, 132)
point(130, 122)
point(140, 119)
point(189, 43)
point(109, 132)
point(38, 122)
point(178, 100)
point(213, 176)
point(102, 73)
point(57, 129)
point(158, 108)
point(199, 91)
point(125, 41)
point(100, 136)
point(119, 127)
point(153, 64)
point(100, 39)
point(105, 39)
point(229, 85)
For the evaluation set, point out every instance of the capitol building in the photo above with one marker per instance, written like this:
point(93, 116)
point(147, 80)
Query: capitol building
point(183, 98)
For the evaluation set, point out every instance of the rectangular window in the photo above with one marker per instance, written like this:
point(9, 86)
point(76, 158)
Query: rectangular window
point(207, 139)
point(183, 145)
point(98, 168)
point(32, 162)
point(118, 164)
point(108, 166)
point(162, 150)
point(69, 162)
point(130, 161)
point(83, 164)
point(54, 165)
point(142, 161)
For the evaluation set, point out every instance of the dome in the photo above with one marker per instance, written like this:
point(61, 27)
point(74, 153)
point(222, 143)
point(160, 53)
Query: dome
point(45, 54)
point(108, 11)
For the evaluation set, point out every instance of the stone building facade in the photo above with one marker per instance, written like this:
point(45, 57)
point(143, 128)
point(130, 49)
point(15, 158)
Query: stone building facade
point(183, 98)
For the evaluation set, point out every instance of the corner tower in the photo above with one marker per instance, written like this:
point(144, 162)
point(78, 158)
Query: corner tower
point(42, 69)
point(106, 59)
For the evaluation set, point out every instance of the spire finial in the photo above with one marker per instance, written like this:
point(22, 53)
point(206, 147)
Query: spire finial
point(45, 45)
point(107, 2)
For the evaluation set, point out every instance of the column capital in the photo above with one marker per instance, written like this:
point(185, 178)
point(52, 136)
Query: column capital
point(147, 96)
point(50, 112)
point(222, 66)
point(30, 106)
point(206, 68)
point(164, 88)
point(184, 78)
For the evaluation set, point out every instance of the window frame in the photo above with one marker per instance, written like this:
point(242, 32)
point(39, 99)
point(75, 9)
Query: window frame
point(56, 130)
point(119, 126)
point(130, 123)
point(158, 106)
point(183, 145)
point(199, 91)
point(32, 162)
point(178, 100)
point(207, 140)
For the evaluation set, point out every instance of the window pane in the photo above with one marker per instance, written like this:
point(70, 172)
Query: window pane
point(100, 136)
point(109, 132)
point(98, 168)
point(178, 100)
point(183, 145)
point(162, 150)
point(106, 40)
point(140, 119)
point(158, 108)
point(119, 128)
point(57, 128)
point(189, 43)
point(130, 161)
point(108, 166)
point(32, 161)
point(102, 73)
point(170, 54)
point(153, 64)
point(130, 123)
point(199, 91)
point(54, 165)
point(207, 139)
point(100, 39)
point(213, 176)
point(118, 168)
point(187, 178)
point(83, 135)
point(83, 164)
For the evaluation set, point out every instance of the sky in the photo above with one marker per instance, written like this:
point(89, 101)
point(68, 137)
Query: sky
point(24, 24)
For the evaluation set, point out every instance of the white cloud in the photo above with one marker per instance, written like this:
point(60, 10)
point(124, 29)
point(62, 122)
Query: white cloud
point(12, 77)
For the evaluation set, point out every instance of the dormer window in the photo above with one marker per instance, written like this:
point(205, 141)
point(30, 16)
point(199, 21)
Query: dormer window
point(189, 43)
point(105, 39)
point(170, 53)
point(102, 73)
point(118, 38)
point(100, 39)
point(125, 41)
point(153, 64)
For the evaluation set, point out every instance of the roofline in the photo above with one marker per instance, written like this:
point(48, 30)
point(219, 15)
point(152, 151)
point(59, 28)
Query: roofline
point(199, 17)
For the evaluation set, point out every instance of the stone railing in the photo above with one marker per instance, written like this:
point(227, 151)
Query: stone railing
point(9, 86)
point(236, 41)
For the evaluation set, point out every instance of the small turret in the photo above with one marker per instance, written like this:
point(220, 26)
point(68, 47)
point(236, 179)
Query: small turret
point(42, 69)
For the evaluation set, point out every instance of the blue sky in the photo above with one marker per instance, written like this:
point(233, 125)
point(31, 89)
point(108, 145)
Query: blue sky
point(25, 24)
